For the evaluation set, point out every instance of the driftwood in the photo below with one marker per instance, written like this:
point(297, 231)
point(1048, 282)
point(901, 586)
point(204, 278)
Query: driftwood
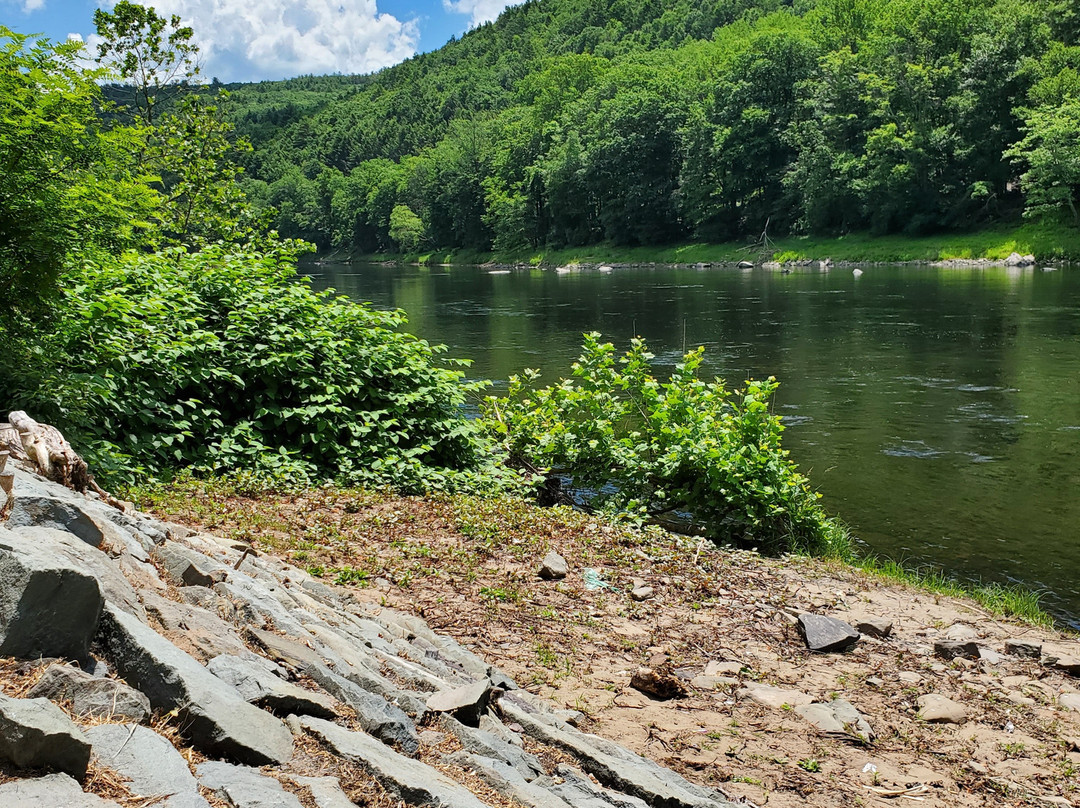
point(48, 451)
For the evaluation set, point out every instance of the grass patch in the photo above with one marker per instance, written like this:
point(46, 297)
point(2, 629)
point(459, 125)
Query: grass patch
point(1007, 600)
point(1047, 241)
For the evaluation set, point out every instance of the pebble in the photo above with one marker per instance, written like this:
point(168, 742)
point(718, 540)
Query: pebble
point(553, 567)
point(642, 593)
point(937, 709)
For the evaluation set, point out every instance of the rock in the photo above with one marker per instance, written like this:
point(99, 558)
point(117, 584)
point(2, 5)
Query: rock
point(48, 607)
point(325, 791)
point(961, 631)
point(91, 696)
point(507, 782)
point(937, 709)
point(1014, 260)
point(1063, 662)
point(837, 716)
point(35, 734)
point(775, 697)
point(258, 686)
point(409, 779)
point(909, 677)
point(714, 668)
point(951, 649)
point(489, 745)
point(51, 791)
point(244, 787)
point(658, 685)
point(825, 634)
point(875, 681)
point(1070, 701)
point(152, 765)
point(466, 703)
point(879, 627)
point(1025, 649)
point(49, 512)
point(642, 593)
point(211, 713)
point(703, 682)
point(580, 791)
point(553, 567)
point(991, 656)
point(376, 715)
point(745, 265)
point(187, 567)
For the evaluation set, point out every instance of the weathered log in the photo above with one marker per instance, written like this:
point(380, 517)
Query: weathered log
point(55, 459)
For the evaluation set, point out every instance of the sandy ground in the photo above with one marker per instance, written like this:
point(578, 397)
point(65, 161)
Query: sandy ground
point(722, 623)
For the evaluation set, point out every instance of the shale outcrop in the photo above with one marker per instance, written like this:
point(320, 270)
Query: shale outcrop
point(143, 661)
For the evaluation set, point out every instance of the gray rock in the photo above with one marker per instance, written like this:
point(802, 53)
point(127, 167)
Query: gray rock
point(581, 792)
point(775, 697)
point(1070, 701)
point(839, 717)
point(937, 709)
point(375, 715)
point(642, 593)
point(244, 787)
point(259, 687)
point(35, 734)
point(48, 607)
point(825, 634)
point(1063, 662)
point(612, 765)
point(991, 656)
point(412, 781)
point(961, 631)
point(507, 781)
point(951, 649)
point(1025, 649)
point(325, 791)
point(187, 567)
point(51, 791)
point(553, 567)
point(212, 714)
point(195, 630)
point(67, 516)
point(90, 695)
point(153, 766)
point(490, 745)
point(879, 627)
point(466, 703)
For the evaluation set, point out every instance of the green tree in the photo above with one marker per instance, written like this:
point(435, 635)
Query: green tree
point(406, 228)
point(65, 181)
point(1050, 152)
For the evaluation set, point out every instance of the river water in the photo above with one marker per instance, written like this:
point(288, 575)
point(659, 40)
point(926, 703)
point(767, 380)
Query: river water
point(937, 410)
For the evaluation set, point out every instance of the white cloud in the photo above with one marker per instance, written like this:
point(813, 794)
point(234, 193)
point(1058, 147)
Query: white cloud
point(479, 11)
point(244, 40)
point(32, 5)
point(75, 37)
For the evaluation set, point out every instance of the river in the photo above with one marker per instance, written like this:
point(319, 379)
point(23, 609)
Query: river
point(937, 410)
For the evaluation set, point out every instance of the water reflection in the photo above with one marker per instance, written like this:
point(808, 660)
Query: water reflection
point(936, 409)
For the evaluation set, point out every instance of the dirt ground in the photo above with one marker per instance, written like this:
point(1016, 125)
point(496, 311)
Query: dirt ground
point(721, 622)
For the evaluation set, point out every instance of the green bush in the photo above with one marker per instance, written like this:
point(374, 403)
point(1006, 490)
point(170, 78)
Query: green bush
point(642, 447)
point(223, 360)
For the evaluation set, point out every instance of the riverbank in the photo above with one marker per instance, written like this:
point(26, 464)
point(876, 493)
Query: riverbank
point(1048, 243)
point(986, 724)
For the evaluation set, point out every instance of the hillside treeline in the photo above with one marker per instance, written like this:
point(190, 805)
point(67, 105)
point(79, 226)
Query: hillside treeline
point(565, 123)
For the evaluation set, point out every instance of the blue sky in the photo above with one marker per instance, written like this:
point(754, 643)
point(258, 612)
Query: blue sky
point(248, 40)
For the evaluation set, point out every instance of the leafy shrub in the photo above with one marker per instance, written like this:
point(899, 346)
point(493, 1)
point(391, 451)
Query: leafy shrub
point(223, 360)
point(639, 446)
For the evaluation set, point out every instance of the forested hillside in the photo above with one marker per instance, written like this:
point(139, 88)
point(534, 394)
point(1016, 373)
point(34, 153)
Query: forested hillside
point(568, 123)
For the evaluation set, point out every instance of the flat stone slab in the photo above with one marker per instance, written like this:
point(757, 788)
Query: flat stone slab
point(212, 714)
point(325, 791)
point(937, 709)
point(826, 634)
point(466, 703)
point(1070, 701)
point(244, 787)
point(35, 734)
point(951, 649)
point(1025, 649)
point(48, 606)
point(508, 782)
point(51, 791)
point(258, 686)
point(837, 717)
point(774, 697)
point(375, 714)
point(153, 766)
point(412, 781)
point(91, 695)
point(879, 627)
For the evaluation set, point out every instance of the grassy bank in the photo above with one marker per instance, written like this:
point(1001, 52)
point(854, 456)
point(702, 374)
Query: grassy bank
point(358, 536)
point(1047, 242)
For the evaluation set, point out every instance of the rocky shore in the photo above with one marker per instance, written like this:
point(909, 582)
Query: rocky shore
point(144, 663)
